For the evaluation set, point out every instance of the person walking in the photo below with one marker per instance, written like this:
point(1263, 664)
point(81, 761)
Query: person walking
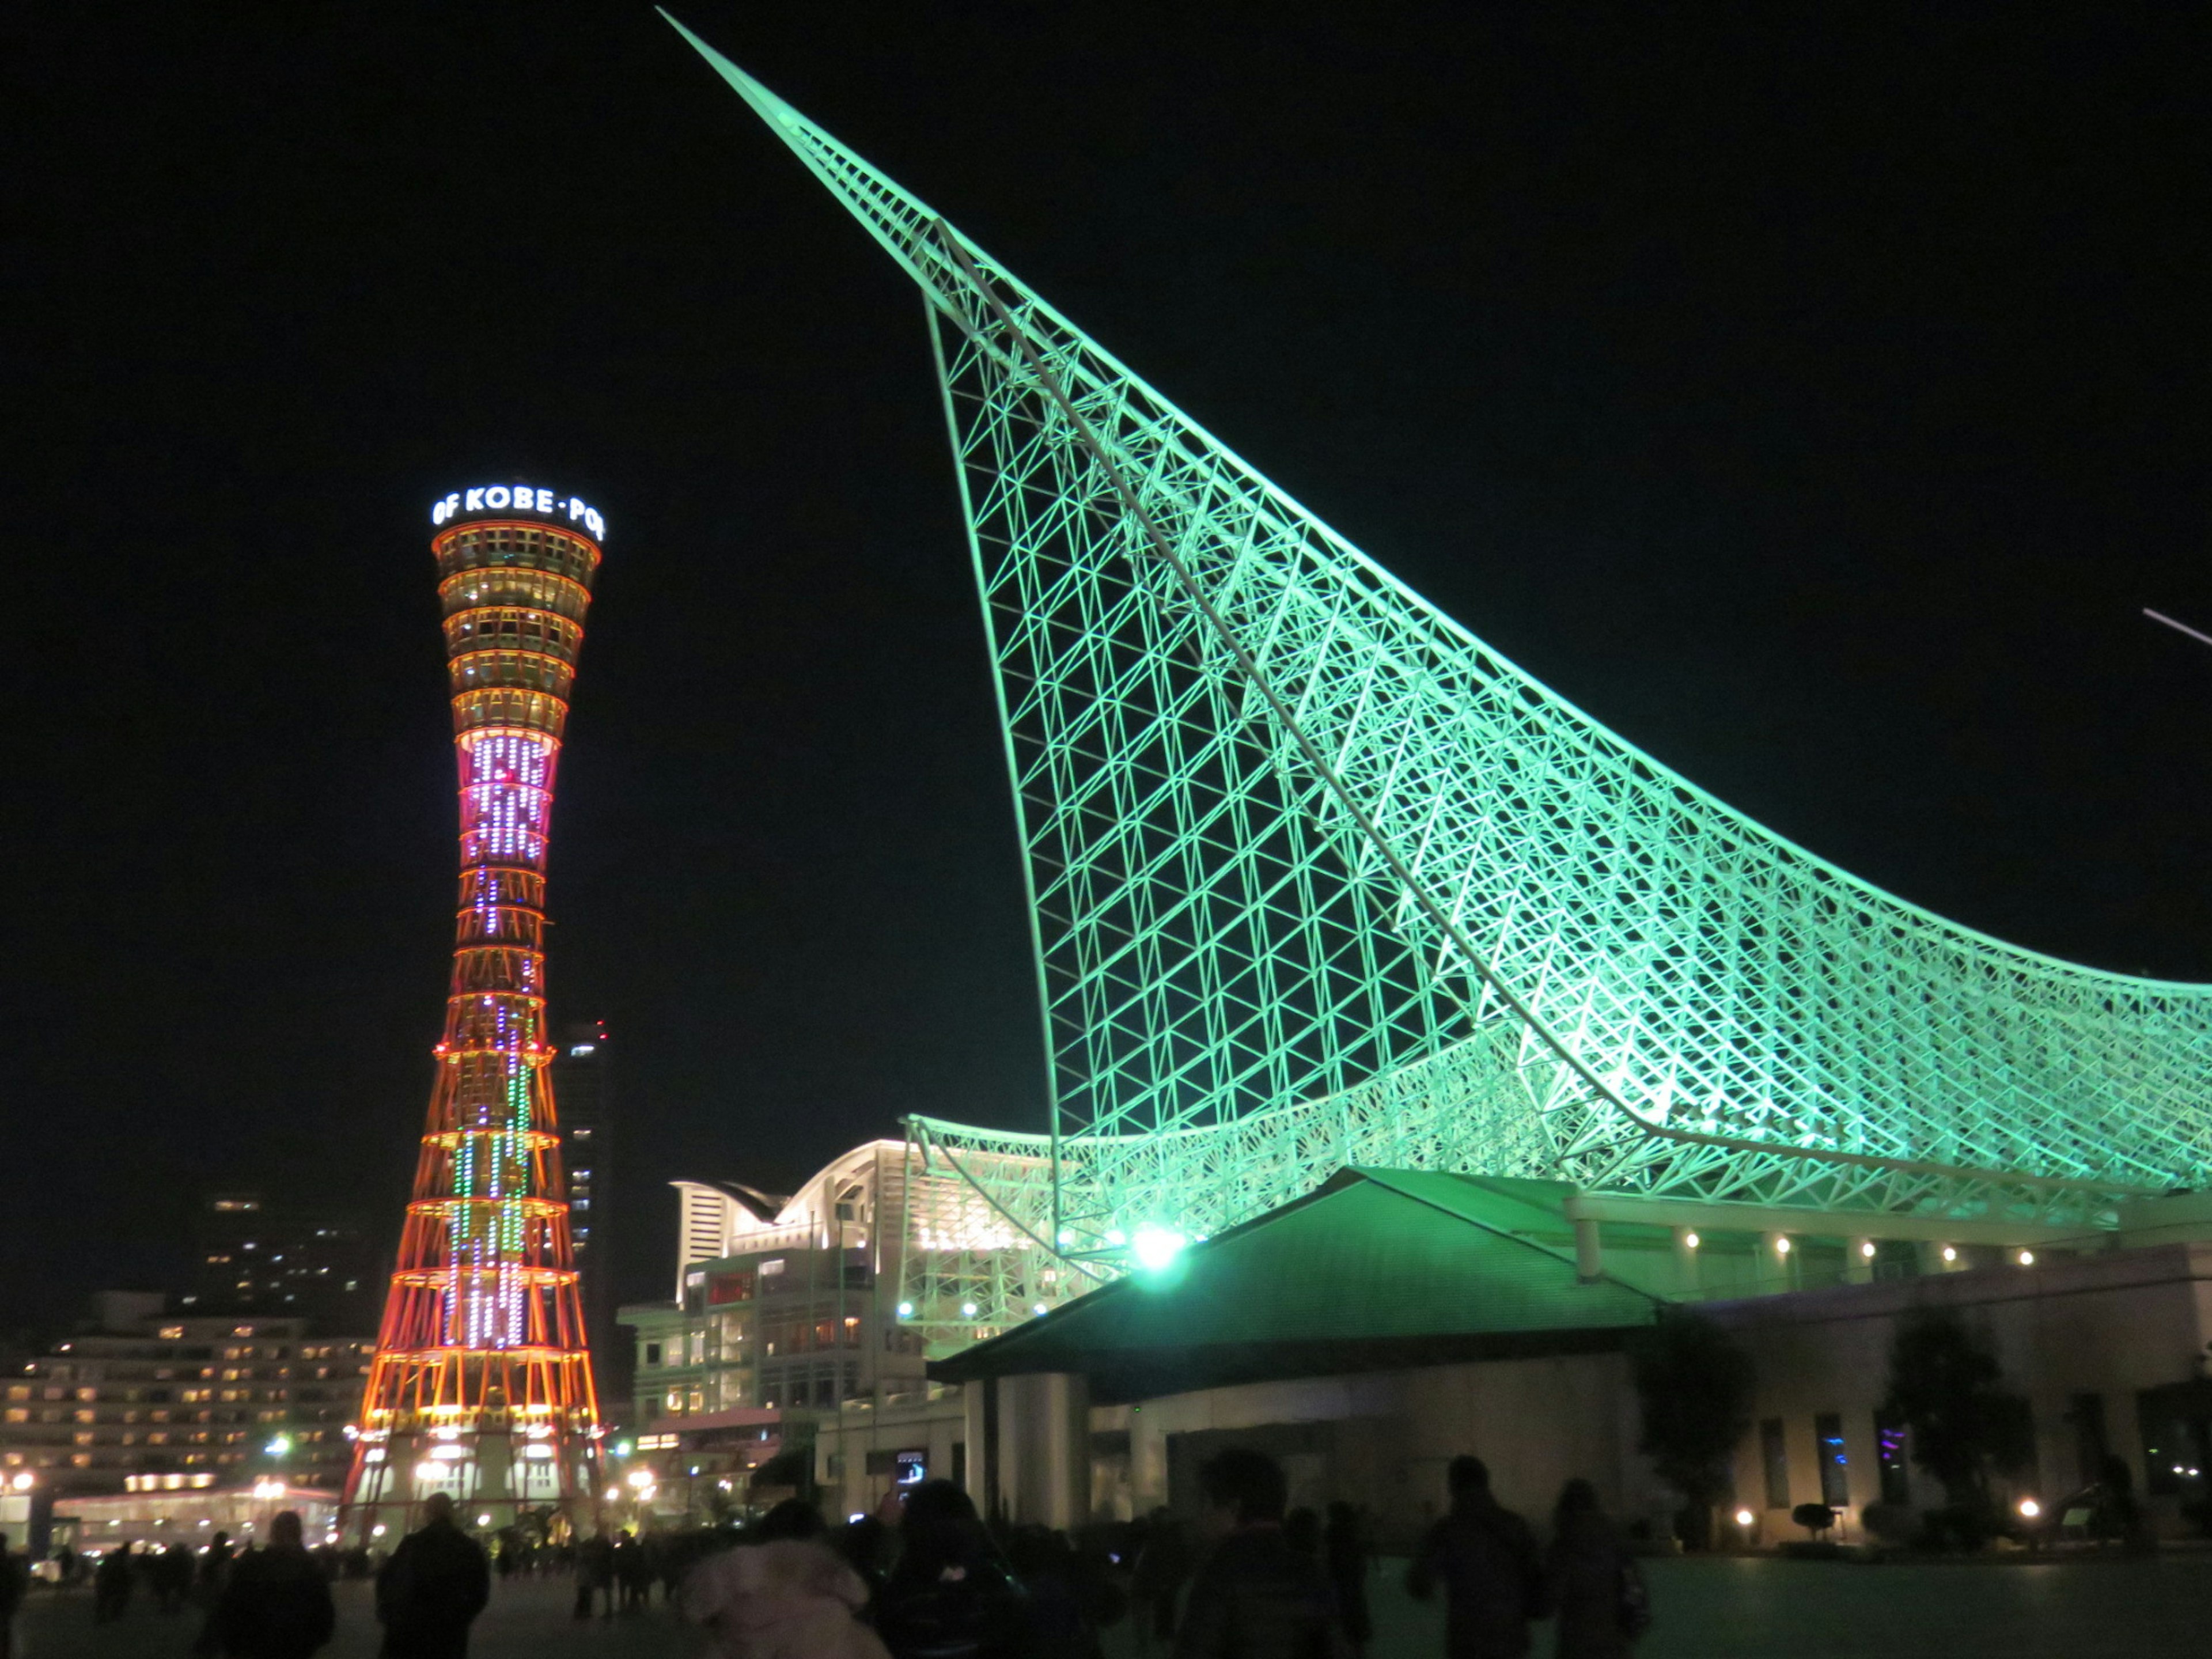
point(278, 1603)
point(111, 1585)
point(1345, 1554)
point(216, 1568)
point(1485, 1558)
point(171, 1574)
point(595, 1575)
point(790, 1597)
point(951, 1596)
point(1254, 1597)
point(14, 1584)
point(1163, 1568)
point(1593, 1580)
point(433, 1588)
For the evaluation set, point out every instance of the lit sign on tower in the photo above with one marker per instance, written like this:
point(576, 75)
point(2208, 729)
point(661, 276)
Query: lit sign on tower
point(482, 1384)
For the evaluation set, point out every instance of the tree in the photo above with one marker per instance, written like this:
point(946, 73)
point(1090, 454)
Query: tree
point(1944, 1383)
point(1695, 1386)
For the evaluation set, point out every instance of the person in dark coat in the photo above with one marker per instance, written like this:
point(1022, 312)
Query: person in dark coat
point(595, 1575)
point(1485, 1558)
point(15, 1582)
point(111, 1586)
point(1254, 1597)
point(1345, 1553)
point(1586, 1569)
point(278, 1602)
point(171, 1573)
point(950, 1596)
point(433, 1588)
point(1163, 1568)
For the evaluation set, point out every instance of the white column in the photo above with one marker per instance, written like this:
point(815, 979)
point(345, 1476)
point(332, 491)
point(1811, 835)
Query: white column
point(1589, 1255)
point(1044, 1456)
point(1859, 1262)
point(973, 1421)
point(1687, 1242)
point(1777, 1270)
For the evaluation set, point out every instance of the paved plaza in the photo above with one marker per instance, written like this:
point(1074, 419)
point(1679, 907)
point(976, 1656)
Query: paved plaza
point(1710, 1609)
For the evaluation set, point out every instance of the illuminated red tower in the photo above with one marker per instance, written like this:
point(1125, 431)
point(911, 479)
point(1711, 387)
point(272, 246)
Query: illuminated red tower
point(482, 1384)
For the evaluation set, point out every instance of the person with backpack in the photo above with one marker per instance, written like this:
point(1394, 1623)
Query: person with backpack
point(1485, 1558)
point(431, 1590)
point(1594, 1583)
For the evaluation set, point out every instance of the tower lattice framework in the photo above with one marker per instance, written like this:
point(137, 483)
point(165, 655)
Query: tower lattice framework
point(481, 1383)
point(1318, 878)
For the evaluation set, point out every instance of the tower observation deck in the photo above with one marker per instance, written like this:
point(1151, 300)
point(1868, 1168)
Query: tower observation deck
point(481, 1383)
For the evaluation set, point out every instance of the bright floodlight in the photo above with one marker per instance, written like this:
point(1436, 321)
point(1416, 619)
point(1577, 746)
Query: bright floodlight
point(2029, 1509)
point(1156, 1246)
point(1745, 1517)
point(1866, 1248)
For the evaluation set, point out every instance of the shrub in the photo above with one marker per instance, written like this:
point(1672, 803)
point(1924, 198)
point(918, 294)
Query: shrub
point(1892, 1523)
point(1815, 1518)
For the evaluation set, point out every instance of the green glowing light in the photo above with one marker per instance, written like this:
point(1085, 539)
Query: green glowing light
point(1155, 1247)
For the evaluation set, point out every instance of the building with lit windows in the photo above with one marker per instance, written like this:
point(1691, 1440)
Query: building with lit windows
point(789, 1304)
point(255, 1255)
point(205, 1401)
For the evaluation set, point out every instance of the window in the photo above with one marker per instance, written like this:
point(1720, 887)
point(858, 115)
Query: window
point(1774, 1457)
point(1890, 1449)
point(652, 1354)
point(1835, 1464)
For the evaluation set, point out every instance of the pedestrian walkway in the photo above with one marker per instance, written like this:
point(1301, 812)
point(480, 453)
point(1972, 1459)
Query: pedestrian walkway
point(528, 1619)
point(1707, 1609)
point(1763, 1608)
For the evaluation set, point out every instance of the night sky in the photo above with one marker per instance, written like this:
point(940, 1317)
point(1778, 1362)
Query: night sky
point(1814, 394)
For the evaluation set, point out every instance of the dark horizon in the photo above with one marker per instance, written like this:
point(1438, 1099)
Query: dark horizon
point(1816, 404)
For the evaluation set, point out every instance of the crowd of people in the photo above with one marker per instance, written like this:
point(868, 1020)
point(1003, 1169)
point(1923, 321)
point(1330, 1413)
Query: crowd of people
point(925, 1578)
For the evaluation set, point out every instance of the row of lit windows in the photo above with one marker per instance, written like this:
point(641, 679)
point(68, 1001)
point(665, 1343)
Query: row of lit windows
point(540, 590)
point(501, 545)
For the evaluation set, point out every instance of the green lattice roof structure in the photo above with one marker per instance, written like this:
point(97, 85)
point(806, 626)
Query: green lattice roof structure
point(1320, 879)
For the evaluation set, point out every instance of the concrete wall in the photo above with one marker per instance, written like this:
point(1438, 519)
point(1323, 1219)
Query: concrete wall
point(1390, 1435)
point(2108, 1325)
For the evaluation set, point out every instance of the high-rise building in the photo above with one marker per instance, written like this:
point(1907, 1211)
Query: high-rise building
point(482, 1384)
point(253, 1255)
point(584, 1082)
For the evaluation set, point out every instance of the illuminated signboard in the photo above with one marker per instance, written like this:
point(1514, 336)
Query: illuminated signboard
point(521, 498)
